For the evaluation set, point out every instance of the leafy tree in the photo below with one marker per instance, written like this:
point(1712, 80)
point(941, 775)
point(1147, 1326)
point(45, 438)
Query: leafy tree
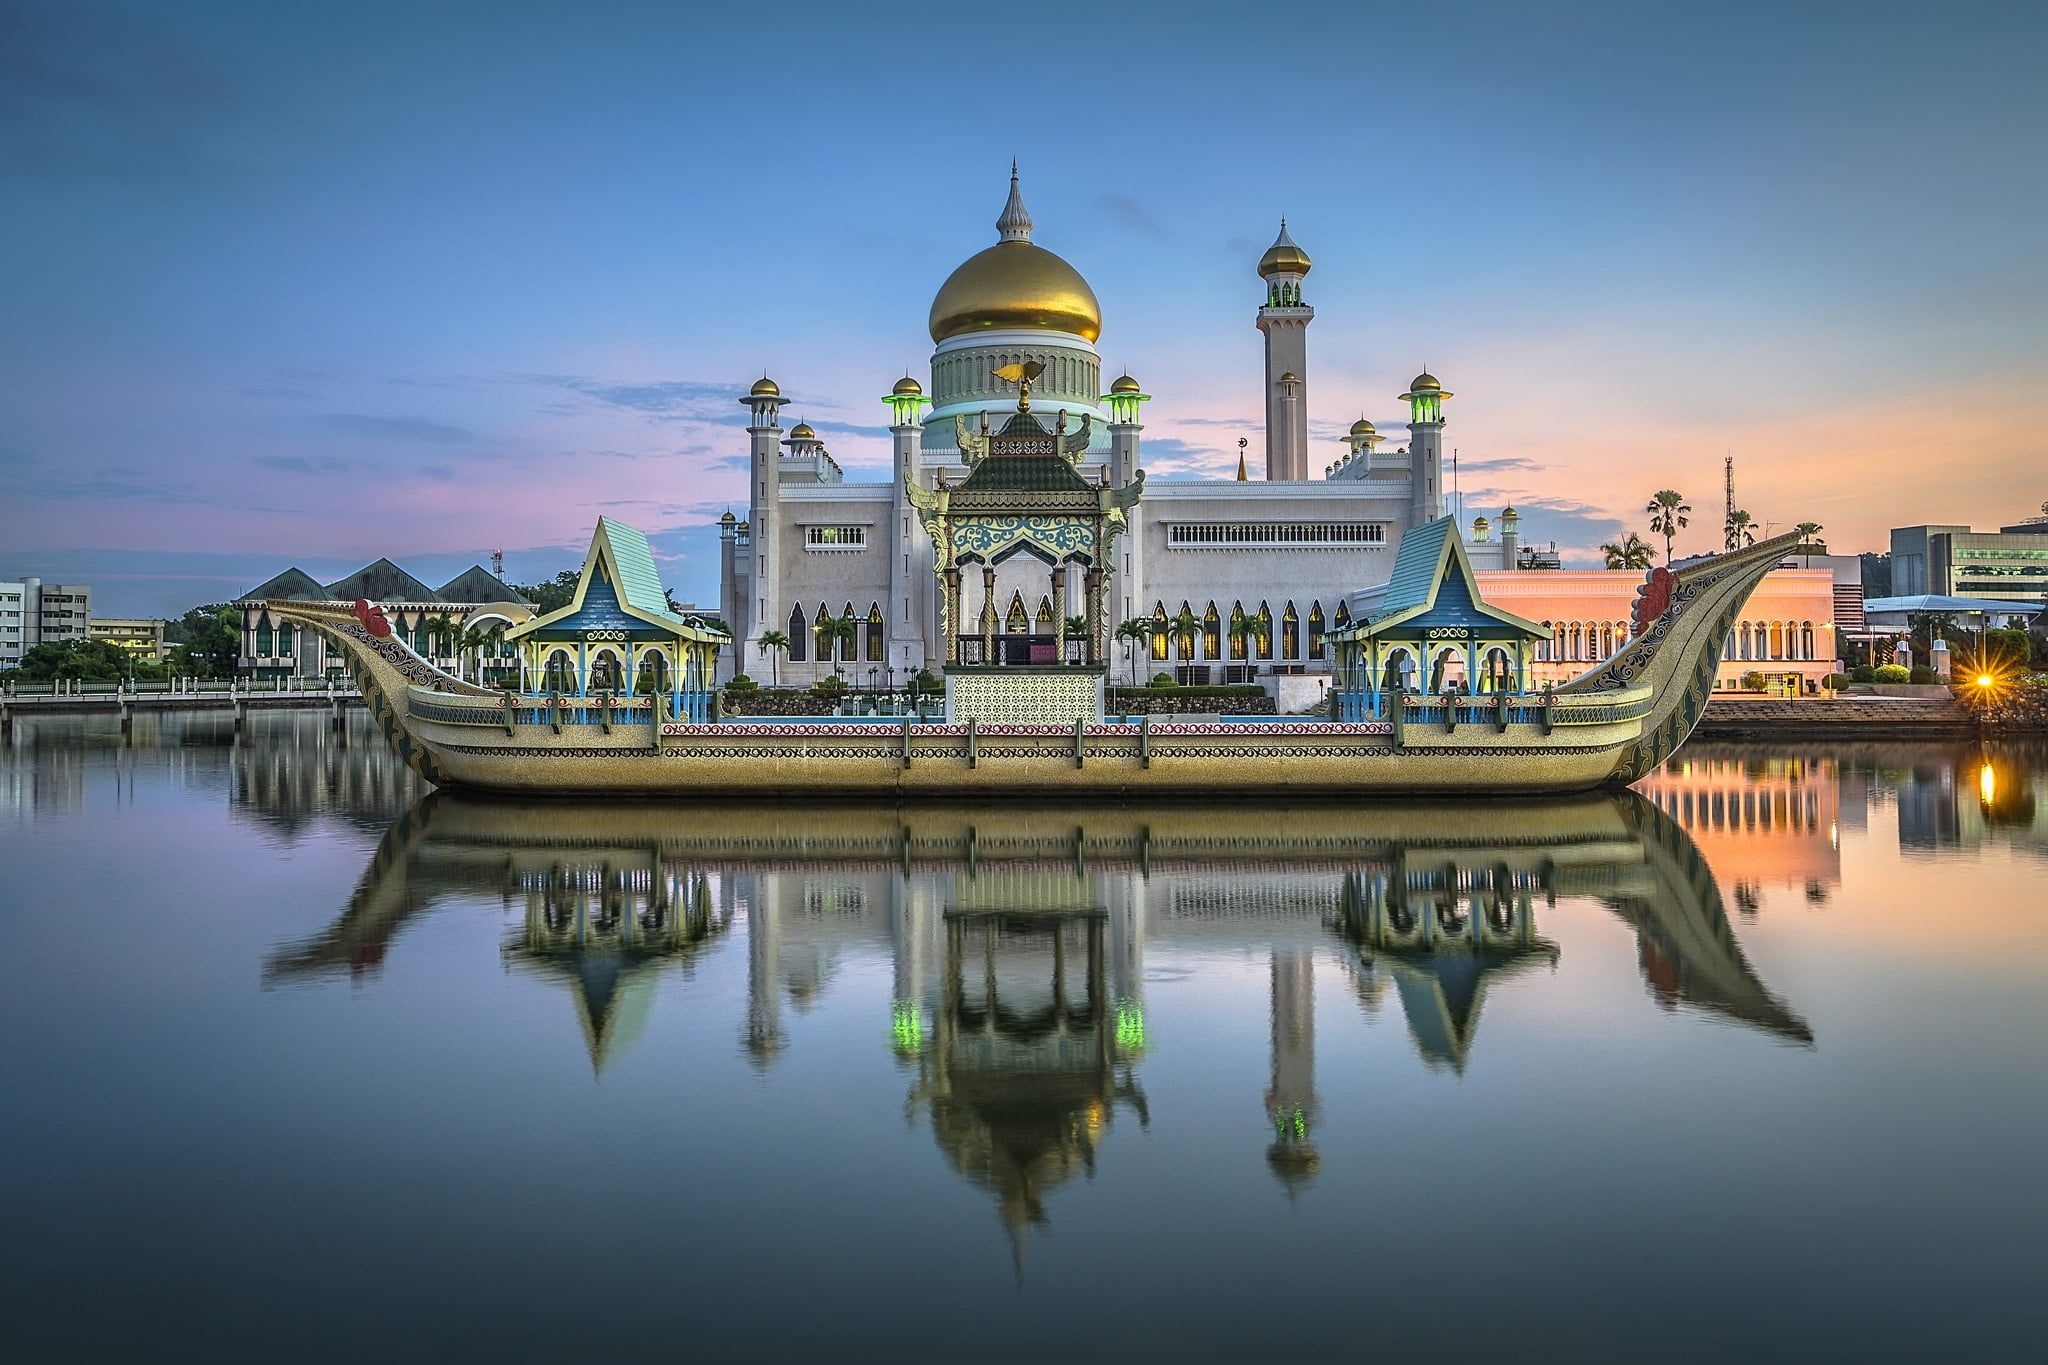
point(554, 594)
point(1739, 530)
point(1630, 552)
point(1669, 514)
point(778, 645)
point(209, 641)
point(73, 661)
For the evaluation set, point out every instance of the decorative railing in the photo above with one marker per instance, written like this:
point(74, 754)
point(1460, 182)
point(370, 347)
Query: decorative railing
point(1487, 708)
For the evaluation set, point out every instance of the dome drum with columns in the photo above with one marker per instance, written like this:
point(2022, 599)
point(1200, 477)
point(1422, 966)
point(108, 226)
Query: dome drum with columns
point(1282, 552)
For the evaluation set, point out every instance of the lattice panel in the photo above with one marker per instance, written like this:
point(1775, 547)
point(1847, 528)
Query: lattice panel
point(1023, 698)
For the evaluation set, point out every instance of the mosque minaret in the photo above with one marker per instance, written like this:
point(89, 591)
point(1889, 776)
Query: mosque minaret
point(1189, 556)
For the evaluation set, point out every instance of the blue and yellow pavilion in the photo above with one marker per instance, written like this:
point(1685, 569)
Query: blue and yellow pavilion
point(617, 636)
point(1428, 631)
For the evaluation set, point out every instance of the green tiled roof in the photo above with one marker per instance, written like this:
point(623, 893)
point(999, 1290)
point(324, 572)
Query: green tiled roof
point(639, 582)
point(1414, 577)
point(1025, 474)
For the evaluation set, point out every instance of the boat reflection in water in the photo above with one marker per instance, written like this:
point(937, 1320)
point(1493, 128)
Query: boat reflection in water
point(1017, 935)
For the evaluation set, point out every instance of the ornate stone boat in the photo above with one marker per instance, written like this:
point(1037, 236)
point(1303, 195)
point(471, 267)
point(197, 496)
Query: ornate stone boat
point(1603, 729)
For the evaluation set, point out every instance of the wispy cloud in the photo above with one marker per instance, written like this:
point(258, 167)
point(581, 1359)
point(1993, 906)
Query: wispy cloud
point(308, 464)
point(15, 455)
point(1132, 214)
point(395, 428)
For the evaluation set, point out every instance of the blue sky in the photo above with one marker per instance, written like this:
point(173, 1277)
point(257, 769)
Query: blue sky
point(314, 283)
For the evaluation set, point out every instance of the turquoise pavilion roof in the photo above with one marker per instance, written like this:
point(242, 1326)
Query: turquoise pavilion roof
point(620, 590)
point(1432, 587)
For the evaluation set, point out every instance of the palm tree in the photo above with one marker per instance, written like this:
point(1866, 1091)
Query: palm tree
point(1630, 552)
point(777, 644)
point(439, 630)
point(1739, 530)
point(839, 630)
point(469, 645)
point(1807, 531)
point(1668, 516)
point(1138, 630)
point(1072, 628)
point(1185, 625)
point(1242, 629)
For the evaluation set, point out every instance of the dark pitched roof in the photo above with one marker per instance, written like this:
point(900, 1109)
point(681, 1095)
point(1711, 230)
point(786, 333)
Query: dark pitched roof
point(1026, 474)
point(475, 586)
point(381, 582)
point(293, 585)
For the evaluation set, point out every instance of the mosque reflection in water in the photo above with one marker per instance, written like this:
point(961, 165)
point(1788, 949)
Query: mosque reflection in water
point(1018, 936)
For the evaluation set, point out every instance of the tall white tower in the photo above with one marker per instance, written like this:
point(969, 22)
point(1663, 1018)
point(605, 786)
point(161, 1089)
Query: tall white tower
point(909, 583)
point(1285, 319)
point(1425, 400)
point(1122, 400)
point(764, 492)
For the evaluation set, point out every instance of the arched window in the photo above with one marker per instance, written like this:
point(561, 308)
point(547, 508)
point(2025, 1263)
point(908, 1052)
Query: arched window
point(877, 633)
point(1212, 634)
point(1047, 623)
point(1315, 630)
point(284, 638)
point(1806, 640)
point(1161, 632)
point(559, 673)
point(1240, 628)
point(1290, 633)
point(653, 673)
point(266, 639)
point(799, 636)
point(1575, 646)
point(1728, 646)
point(1607, 641)
point(1543, 646)
point(1264, 624)
point(1777, 639)
point(1016, 621)
point(1186, 620)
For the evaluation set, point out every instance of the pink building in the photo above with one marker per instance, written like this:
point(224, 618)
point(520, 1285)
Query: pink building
point(1786, 633)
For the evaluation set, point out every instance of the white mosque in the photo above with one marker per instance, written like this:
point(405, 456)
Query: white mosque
point(1280, 553)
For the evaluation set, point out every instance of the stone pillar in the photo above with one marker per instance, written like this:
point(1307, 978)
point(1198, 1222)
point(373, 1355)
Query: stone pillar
point(907, 587)
point(1093, 610)
point(950, 619)
point(1129, 555)
point(991, 617)
point(1059, 609)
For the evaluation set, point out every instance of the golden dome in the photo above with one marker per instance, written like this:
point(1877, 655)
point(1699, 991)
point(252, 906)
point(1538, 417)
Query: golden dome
point(1424, 382)
point(1283, 257)
point(1124, 384)
point(1290, 377)
point(764, 387)
point(1509, 514)
point(907, 385)
point(1363, 428)
point(1015, 284)
point(802, 432)
point(728, 519)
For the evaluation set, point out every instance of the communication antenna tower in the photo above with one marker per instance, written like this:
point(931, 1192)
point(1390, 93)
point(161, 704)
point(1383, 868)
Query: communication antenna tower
point(1728, 481)
point(498, 563)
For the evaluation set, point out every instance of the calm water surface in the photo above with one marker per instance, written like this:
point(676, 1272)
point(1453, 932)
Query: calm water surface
point(304, 1061)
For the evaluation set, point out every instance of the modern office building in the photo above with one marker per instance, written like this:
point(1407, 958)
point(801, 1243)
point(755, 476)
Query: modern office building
point(141, 636)
point(2006, 565)
point(33, 613)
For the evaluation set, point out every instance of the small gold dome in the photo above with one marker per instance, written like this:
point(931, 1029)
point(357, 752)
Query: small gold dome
point(1290, 377)
point(1480, 523)
point(1015, 284)
point(1509, 514)
point(1423, 383)
point(1283, 257)
point(728, 519)
point(764, 387)
point(1363, 428)
point(1124, 384)
point(802, 432)
point(907, 385)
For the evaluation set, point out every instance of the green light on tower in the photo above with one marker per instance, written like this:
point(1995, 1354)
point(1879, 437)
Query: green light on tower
point(906, 1026)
